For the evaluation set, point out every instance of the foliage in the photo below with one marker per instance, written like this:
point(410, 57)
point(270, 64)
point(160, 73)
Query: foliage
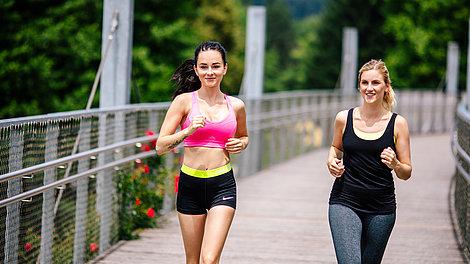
point(421, 31)
point(141, 194)
point(411, 36)
point(28, 252)
point(304, 8)
point(50, 50)
point(49, 53)
point(280, 71)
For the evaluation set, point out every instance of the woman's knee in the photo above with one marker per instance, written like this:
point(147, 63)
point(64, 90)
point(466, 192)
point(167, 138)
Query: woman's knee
point(209, 258)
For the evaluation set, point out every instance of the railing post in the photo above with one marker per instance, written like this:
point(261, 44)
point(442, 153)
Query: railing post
point(452, 72)
point(103, 185)
point(273, 146)
point(153, 120)
point(468, 68)
point(81, 208)
point(12, 225)
point(116, 77)
point(252, 85)
point(168, 200)
point(50, 175)
point(305, 115)
point(283, 129)
point(349, 61)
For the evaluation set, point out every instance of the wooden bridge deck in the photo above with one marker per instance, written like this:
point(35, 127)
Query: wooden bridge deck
point(282, 216)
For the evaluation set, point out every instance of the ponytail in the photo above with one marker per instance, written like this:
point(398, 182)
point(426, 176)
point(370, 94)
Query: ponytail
point(185, 78)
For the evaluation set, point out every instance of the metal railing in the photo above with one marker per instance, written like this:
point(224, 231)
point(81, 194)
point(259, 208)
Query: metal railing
point(37, 163)
point(460, 191)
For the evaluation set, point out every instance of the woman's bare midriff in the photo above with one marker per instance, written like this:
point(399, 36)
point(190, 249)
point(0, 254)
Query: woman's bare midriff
point(202, 158)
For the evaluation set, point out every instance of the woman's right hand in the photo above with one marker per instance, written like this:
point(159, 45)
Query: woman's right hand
point(197, 121)
point(336, 167)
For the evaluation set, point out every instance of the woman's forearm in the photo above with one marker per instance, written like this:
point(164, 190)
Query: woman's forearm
point(334, 153)
point(166, 143)
point(245, 141)
point(403, 171)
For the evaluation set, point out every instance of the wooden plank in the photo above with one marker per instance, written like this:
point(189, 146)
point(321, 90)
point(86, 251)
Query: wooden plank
point(282, 216)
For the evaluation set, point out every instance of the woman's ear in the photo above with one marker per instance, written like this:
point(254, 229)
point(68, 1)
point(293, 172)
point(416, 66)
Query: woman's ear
point(225, 68)
point(194, 68)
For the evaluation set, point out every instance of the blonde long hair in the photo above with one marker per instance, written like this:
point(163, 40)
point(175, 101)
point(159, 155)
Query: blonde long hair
point(389, 96)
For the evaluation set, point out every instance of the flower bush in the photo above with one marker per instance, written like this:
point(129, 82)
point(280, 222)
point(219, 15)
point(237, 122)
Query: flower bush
point(141, 191)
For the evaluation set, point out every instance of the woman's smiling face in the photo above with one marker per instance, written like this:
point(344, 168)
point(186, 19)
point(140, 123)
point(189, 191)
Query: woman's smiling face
point(210, 68)
point(372, 86)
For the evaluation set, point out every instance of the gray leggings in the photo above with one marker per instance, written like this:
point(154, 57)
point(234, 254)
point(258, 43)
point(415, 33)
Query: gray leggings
point(359, 238)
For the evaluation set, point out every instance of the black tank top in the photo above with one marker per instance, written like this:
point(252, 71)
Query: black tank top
point(366, 184)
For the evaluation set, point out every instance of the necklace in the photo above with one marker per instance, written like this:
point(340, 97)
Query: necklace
point(371, 121)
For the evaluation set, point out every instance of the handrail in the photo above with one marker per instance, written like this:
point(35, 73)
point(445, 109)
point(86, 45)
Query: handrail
point(42, 166)
point(459, 151)
point(73, 178)
point(83, 113)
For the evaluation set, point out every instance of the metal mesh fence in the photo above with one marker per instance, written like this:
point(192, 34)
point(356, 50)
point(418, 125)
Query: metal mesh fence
point(461, 194)
point(72, 211)
point(78, 220)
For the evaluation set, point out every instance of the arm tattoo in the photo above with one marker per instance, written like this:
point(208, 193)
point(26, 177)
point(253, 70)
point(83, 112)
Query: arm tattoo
point(176, 142)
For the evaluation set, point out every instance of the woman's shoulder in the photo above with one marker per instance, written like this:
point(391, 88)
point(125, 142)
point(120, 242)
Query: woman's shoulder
point(400, 122)
point(183, 98)
point(182, 102)
point(236, 102)
point(342, 116)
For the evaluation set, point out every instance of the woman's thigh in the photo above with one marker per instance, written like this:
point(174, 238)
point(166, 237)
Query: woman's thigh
point(192, 231)
point(218, 222)
point(346, 229)
point(377, 230)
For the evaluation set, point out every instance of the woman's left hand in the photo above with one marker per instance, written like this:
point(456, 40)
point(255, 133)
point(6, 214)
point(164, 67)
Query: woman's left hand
point(389, 158)
point(234, 145)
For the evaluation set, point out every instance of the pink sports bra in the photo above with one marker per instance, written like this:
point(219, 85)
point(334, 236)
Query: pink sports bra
point(213, 134)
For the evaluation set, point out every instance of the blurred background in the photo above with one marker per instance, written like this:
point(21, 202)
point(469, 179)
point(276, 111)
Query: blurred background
point(50, 50)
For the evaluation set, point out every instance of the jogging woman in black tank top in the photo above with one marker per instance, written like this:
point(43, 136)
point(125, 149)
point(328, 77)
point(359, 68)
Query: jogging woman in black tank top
point(369, 142)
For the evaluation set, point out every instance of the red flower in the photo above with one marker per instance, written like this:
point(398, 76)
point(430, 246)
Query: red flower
point(137, 201)
point(146, 169)
point(93, 247)
point(151, 213)
point(151, 133)
point(177, 179)
point(145, 147)
point(28, 246)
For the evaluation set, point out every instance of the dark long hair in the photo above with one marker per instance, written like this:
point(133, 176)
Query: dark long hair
point(185, 77)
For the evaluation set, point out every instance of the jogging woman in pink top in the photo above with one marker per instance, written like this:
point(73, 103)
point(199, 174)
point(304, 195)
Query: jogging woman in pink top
point(213, 126)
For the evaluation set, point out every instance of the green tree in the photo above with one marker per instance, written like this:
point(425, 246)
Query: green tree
point(49, 53)
point(50, 50)
point(280, 41)
point(324, 61)
point(420, 31)
point(163, 38)
point(411, 36)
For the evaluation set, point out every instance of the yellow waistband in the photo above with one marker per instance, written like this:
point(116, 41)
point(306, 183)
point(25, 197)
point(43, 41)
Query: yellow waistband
point(206, 173)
